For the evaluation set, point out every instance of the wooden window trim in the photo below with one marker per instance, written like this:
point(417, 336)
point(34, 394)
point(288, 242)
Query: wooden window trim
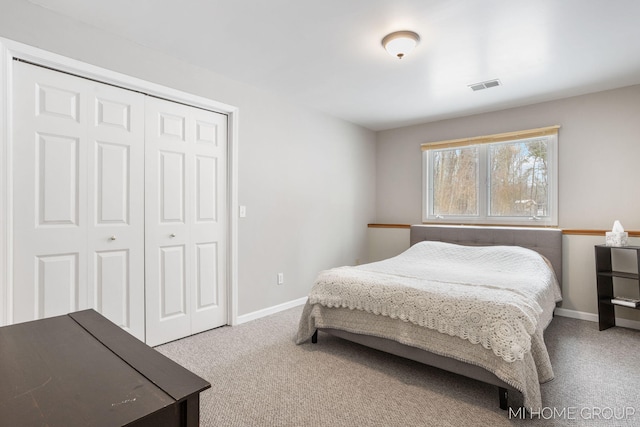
point(572, 232)
point(488, 139)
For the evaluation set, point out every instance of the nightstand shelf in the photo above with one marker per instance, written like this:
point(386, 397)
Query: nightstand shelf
point(604, 276)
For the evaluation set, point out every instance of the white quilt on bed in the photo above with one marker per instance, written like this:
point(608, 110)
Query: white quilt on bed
point(500, 297)
point(491, 296)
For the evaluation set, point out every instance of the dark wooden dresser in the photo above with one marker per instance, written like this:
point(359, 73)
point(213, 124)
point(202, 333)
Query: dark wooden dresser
point(82, 370)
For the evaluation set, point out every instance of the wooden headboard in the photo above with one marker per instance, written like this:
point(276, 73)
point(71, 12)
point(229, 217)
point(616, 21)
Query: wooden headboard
point(545, 241)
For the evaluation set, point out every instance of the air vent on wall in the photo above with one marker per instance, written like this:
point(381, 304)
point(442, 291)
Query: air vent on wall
point(484, 85)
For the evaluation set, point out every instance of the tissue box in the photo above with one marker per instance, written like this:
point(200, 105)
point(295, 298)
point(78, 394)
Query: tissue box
point(616, 239)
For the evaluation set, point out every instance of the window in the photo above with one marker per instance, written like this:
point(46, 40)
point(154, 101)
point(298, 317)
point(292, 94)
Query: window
point(506, 179)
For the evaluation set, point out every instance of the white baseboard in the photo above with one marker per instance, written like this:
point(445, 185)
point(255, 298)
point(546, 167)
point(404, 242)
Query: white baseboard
point(592, 317)
point(626, 323)
point(582, 315)
point(270, 310)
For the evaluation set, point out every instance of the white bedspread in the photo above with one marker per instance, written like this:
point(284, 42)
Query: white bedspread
point(501, 297)
point(488, 295)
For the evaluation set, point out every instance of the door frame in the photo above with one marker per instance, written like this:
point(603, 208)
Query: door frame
point(11, 50)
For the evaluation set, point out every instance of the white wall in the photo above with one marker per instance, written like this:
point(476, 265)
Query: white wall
point(307, 179)
point(599, 148)
point(599, 173)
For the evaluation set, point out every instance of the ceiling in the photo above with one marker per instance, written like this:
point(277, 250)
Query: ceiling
point(327, 54)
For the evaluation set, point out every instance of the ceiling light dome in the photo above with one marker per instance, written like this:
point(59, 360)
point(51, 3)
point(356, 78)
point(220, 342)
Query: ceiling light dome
point(400, 43)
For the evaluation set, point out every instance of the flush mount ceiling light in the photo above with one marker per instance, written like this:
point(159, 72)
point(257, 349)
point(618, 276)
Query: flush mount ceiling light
point(400, 43)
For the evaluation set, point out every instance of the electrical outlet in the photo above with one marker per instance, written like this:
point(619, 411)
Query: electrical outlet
point(280, 278)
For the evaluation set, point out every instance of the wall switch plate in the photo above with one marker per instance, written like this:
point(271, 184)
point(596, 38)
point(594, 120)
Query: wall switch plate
point(280, 278)
point(243, 211)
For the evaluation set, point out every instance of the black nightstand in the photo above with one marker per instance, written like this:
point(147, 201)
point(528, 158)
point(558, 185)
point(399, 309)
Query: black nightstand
point(605, 275)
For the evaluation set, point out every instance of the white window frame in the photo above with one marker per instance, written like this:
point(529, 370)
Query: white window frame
point(483, 143)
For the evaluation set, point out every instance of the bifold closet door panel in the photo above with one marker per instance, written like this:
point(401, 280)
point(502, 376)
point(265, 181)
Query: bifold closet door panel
point(185, 217)
point(115, 196)
point(78, 153)
point(209, 221)
point(49, 194)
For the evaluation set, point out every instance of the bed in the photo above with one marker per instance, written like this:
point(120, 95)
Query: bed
point(489, 330)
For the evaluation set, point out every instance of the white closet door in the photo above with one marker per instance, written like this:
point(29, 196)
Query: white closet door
point(49, 184)
point(208, 220)
point(185, 168)
point(115, 199)
point(77, 181)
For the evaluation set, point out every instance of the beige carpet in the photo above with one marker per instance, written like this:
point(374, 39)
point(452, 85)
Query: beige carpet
point(260, 377)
